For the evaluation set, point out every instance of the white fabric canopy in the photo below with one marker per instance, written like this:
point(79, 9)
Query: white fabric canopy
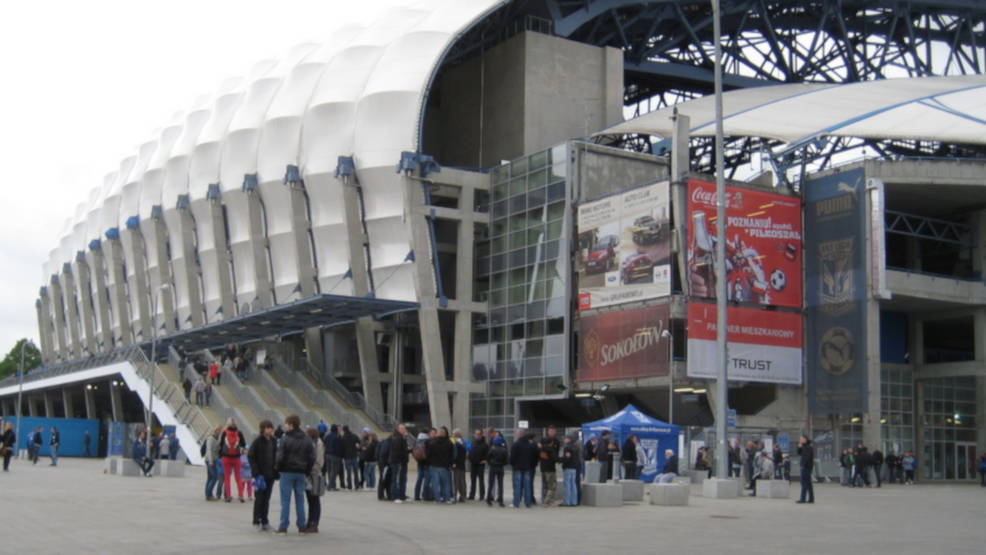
point(949, 109)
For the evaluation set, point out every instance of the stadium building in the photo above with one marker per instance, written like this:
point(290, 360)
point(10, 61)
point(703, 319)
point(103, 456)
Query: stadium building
point(480, 212)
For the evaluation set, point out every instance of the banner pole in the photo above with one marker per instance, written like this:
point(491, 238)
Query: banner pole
point(722, 387)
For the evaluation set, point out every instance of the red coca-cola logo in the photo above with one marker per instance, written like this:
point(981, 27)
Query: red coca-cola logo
point(702, 196)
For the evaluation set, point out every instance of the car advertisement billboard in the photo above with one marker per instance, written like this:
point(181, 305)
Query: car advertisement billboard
point(764, 345)
point(623, 344)
point(763, 245)
point(624, 247)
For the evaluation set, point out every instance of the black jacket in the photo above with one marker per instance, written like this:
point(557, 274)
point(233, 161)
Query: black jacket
point(498, 457)
point(629, 453)
point(523, 455)
point(671, 465)
point(383, 453)
point(295, 453)
point(438, 452)
point(350, 445)
point(9, 439)
point(480, 451)
point(570, 456)
point(459, 458)
point(548, 454)
point(262, 456)
point(369, 452)
point(807, 453)
point(398, 449)
point(877, 457)
point(863, 459)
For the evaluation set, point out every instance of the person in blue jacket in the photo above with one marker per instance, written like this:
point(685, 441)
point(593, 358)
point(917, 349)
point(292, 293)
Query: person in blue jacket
point(140, 454)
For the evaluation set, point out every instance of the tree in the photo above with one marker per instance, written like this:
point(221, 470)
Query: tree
point(12, 362)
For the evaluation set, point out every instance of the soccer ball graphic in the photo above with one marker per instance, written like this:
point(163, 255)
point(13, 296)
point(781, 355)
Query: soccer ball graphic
point(778, 280)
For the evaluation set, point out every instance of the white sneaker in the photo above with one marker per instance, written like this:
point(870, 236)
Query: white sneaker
point(398, 501)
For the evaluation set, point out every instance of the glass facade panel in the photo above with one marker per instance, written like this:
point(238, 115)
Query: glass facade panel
point(949, 423)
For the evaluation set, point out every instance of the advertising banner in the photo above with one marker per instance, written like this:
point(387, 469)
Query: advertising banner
point(624, 247)
point(835, 272)
point(623, 344)
point(763, 245)
point(764, 346)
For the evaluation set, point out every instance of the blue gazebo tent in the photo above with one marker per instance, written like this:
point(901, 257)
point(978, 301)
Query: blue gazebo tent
point(654, 435)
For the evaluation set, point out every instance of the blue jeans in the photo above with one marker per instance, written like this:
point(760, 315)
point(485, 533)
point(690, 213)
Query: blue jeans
point(806, 487)
point(369, 478)
point(523, 482)
point(441, 484)
point(398, 481)
point(292, 482)
point(352, 473)
point(211, 478)
point(423, 483)
point(53, 449)
point(571, 496)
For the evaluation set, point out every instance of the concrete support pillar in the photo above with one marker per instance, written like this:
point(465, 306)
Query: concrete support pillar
point(189, 267)
point(314, 349)
point(259, 246)
point(162, 276)
point(366, 346)
point(32, 405)
point(67, 403)
point(44, 327)
point(980, 414)
point(679, 193)
point(302, 243)
point(979, 333)
point(64, 351)
point(116, 402)
point(395, 364)
point(871, 420)
point(121, 314)
point(84, 282)
point(49, 403)
point(71, 310)
point(139, 294)
point(90, 399)
point(97, 267)
point(224, 260)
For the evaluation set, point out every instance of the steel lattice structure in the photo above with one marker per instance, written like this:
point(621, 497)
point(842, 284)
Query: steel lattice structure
point(668, 52)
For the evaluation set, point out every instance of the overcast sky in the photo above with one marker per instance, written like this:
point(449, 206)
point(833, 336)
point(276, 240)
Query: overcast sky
point(86, 82)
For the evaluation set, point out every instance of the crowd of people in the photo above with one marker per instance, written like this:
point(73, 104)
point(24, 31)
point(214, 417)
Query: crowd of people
point(856, 464)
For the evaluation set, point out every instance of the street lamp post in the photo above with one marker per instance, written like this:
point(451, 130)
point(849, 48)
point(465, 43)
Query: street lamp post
point(666, 334)
point(20, 390)
point(722, 387)
point(150, 396)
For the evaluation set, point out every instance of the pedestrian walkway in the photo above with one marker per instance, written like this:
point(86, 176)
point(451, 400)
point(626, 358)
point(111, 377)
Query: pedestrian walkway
point(76, 508)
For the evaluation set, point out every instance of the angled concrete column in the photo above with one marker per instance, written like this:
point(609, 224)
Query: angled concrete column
point(64, 350)
point(117, 291)
point(137, 281)
point(258, 243)
point(302, 243)
point(224, 260)
point(162, 273)
point(84, 283)
point(71, 309)
point(44, 327)
point(32, 405)
point(90, 399)
point(366, 346)
point(116, 401)
point(97, 267)
point(188, 267)
point(67, 403)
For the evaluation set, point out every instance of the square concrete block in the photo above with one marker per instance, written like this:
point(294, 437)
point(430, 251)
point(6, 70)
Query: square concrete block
point(633, 490)
point(669, 494)
point(698, 476)
point(602, 495)
point(718, 488)
point(593, 472)
point(127, 467)
point(683, 480)
point(774, 489)
point(169, 469)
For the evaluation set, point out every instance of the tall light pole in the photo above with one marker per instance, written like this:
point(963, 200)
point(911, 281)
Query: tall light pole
point(722, 387)
point(150, 396)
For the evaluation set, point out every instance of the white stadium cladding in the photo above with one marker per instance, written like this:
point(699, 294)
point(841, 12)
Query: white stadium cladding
point(262, 143)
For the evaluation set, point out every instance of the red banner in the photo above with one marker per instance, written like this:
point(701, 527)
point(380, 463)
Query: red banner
point(763, 245)
point(623, 344)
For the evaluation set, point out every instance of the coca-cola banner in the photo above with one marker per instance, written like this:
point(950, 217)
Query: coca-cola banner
point(624, 247)
point(623, 344)
point(763, 245)
point(764, 345)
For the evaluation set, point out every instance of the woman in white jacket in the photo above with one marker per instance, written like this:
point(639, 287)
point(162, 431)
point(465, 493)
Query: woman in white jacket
point(315, 486)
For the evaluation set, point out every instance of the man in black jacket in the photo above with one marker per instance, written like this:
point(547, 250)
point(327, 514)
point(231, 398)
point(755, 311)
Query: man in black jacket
point(523, 457)
point(295, 459)
point(350, 444)
point(262, 456)
point(398, 464)
point(863, 462)
point(877, 458)
point(498, 459)
point(477, 463)
point(548, 456)
point(807, 454)
point(438, 452)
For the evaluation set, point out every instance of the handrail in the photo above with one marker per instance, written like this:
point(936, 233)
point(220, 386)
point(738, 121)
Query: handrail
point(186, 413)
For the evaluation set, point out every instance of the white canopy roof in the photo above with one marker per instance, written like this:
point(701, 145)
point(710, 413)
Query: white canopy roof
point(949, 109)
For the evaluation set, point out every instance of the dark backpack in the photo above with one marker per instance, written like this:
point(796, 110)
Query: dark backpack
point(202, 449)
point(419, 451)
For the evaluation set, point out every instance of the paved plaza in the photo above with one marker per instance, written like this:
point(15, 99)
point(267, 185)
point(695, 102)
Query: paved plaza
point(77, 508)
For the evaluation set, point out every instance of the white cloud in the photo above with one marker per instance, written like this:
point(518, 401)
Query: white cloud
point(86, 82)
